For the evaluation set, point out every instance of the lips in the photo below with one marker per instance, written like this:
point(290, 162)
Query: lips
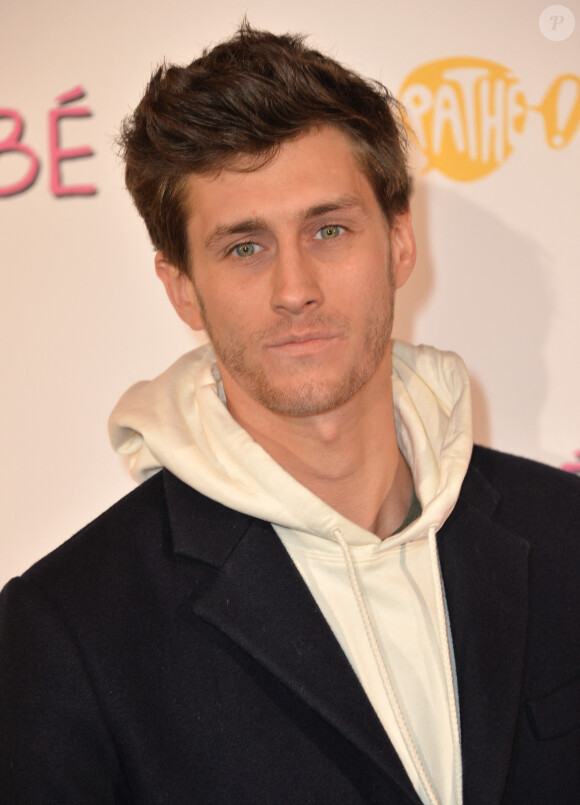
point(302, 346)
point(302, 338)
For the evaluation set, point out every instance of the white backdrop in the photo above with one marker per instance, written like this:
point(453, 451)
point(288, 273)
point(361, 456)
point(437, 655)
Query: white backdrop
point(83, 315)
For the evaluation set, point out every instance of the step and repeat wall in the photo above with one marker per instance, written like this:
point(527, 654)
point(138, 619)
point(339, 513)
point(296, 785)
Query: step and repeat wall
point(493, 95)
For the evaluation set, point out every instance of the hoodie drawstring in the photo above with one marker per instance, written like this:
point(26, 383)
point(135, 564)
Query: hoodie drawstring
point(450, 686)
point(383, 670)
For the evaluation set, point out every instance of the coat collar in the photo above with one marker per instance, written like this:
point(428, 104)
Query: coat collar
point(259, 601)
point(485, 575)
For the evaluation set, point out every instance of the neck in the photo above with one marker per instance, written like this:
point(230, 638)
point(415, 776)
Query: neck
point(348, 457)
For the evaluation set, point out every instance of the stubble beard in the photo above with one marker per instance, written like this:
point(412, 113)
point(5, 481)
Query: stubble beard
point(312, 396)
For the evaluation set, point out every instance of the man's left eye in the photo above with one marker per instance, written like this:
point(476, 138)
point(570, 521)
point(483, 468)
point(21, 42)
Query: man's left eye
point(329, 232)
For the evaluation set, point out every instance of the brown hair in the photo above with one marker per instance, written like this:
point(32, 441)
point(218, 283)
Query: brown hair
point(247, 96)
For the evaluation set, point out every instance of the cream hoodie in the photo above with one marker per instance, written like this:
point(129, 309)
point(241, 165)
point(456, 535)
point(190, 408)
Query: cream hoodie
point(383, 599)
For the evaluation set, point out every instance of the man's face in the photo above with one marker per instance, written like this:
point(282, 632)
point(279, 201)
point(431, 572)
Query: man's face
point(294, 269)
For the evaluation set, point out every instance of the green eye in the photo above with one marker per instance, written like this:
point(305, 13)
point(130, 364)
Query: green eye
point(245, 249)
point(330, 232)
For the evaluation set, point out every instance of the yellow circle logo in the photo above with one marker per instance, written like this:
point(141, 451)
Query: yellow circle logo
point(467, 114)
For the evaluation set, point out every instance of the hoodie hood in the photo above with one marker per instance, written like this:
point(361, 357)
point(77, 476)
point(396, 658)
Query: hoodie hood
point(180, 421)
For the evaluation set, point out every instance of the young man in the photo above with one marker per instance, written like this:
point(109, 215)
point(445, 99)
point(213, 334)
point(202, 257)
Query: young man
point(325, 595)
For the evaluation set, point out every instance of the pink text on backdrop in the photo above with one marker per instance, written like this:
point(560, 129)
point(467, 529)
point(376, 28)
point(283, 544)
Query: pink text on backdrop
point(574, 466)
point(13, 144)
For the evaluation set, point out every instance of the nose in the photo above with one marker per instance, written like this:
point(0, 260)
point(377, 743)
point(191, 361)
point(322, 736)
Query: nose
point(295, 282)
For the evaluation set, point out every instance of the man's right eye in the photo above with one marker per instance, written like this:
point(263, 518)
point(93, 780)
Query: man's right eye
point(248, 249)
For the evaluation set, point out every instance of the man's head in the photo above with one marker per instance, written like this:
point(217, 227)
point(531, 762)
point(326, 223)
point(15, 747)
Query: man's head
point(294, 273)
point(245, 98)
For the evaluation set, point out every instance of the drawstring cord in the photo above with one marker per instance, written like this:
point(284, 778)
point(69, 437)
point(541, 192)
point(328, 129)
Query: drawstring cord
point(444, 641)
point(383, 671)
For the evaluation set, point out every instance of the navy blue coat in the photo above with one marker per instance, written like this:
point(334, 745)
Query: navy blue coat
point(171, 653)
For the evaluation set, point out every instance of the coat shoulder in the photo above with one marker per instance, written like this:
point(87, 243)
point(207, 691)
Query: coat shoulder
point(531, 498)
point(129, 543)
point(123, 530)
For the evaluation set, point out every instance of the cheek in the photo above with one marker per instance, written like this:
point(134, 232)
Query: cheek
point(370, 275)
point(215, 302)
point(232, 322)
point(241, 307)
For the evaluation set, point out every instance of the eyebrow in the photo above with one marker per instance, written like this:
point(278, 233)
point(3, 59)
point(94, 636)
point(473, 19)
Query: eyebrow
point(239, 228)
point(342, 203)
point(254, 225)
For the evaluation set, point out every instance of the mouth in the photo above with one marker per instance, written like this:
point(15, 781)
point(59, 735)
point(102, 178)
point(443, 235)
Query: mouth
point(302, 343)
point(302, 338)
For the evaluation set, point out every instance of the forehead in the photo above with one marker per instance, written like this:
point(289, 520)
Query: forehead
point(312, 169)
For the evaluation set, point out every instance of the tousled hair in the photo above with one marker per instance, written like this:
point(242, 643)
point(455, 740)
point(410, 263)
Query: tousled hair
point(244, 98)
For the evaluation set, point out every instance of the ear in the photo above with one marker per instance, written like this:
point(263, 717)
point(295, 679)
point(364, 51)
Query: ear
point(403, 248)
point(180, 290)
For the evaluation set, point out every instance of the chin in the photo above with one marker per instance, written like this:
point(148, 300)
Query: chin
point(309, 399)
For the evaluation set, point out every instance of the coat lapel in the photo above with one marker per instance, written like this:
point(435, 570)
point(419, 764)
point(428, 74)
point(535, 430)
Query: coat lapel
point(485, 576)
point(260, 602)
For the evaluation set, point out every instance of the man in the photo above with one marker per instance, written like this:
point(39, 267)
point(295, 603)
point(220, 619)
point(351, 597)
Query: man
point(325, 596)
